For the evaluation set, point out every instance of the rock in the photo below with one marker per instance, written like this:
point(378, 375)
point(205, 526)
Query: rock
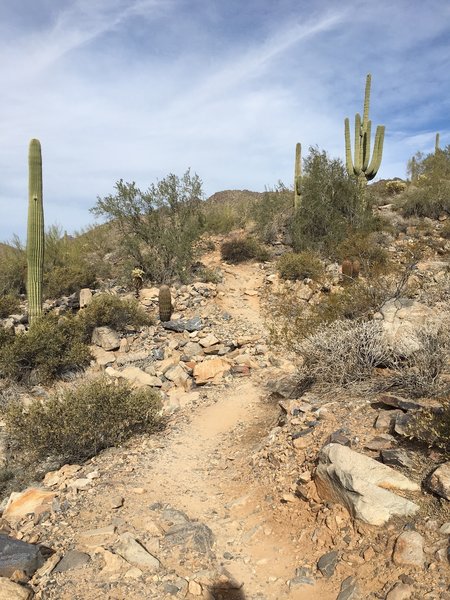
point(193, 535)
point(178, 375)
point(402, 423)
point(385, 420)
point(339, 437)
point(401, 318)
point(31, 501)
point(102, 357)
point(114, 564)
point(194, 324)
point(195, 588)
point(348, 590)
point(85, 297)
point(439, 482)
point(400, 591)
point(327, 563)
point(362, 485)
point(408, 549)
point(208, 340)
point(381, 442)
point(135, 376)
point(116, 501)
point(106, 338)
point(72, 560)
point(397, 402)
point(397, 458)
point(209, 370)
point(192, 349)
point(16, 555)
point(445, 529)
point(13, 591)
point(133, 552)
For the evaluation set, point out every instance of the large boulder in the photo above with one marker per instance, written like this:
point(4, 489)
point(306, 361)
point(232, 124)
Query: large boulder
point(106, 338)
point(401, 319)
point(363, 485)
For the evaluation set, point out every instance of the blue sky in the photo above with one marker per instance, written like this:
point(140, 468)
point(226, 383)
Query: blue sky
point(137, 89)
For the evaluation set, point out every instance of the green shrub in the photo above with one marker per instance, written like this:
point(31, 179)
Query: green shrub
point(221, 217)
point(208, 275)
point(112, 311)
point(9, 305)
point(241, 249)
point(78, 423)
point(430, 194)
point(51, 347)
point(432, 426)
point(445, 231)
point(306, 264)
point(333, 205)
point(272, 212)
point(13, 268)
point(157, 229)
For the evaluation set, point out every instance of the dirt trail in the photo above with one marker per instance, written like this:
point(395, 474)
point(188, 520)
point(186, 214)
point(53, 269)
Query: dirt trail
point(200, 465)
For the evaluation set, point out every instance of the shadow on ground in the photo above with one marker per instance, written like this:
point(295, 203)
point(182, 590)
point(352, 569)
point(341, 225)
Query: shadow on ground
point(219, 593)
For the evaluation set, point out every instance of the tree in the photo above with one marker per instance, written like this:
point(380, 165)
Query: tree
point(158, 227)
point(331, 205)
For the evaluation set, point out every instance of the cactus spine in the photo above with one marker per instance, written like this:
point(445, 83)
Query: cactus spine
point(165, 303)
point(364, 167)
point(35, 232)
point(298, 176)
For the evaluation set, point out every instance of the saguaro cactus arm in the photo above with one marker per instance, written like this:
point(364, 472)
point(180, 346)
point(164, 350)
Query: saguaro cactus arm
point(35, 231)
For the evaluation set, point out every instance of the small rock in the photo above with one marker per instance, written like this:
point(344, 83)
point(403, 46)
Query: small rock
point(439, 482)
point(133, 552)
point(117, 502)
point(348, 589)
point(327, 563)
point(13, 591)
point(30, 501)
point(16, 555)
point(106, 338)
point(408, 549)
point(72, 560)
point(401, 591)
point(397, 458)
point(195, 588)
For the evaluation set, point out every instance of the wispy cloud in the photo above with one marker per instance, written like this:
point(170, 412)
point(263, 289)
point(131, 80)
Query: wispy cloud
point(140, 88)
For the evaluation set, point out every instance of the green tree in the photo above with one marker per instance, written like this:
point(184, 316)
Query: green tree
point(331, 205)
point(158, 227)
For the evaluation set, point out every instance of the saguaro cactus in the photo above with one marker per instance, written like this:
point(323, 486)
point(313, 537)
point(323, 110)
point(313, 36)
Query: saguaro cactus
point(35, 233)
point(437, 145)
point(165, 303)
point(363, 166)
point(298, 176)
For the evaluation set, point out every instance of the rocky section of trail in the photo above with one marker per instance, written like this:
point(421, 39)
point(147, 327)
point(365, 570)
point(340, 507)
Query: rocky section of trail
point(250, 492)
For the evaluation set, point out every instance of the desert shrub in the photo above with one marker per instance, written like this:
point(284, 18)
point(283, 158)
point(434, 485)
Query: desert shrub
point(430, 194)
point(332, 205)
point(367, 248)
point(13, 268)
point(445, 231)
point(240, 249)
point(208, 275)
point(157, 228)
point(306, 264)
point(221, 217)
point(51, 347)
point(431, 426)
point(272, 212)
point(76, 424)
point(112, 311)
point(9, 305)
point(6, 336)
point(395, 187)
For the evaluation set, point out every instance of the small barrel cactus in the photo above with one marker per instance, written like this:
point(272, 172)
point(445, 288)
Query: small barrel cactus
point(347, 268)
point(356, 269)
point(165, 303)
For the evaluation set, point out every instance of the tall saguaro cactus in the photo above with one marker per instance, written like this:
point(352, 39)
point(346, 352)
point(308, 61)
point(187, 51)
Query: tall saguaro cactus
point(364, 166)
point(437, 146)
point(35, 233)
point(298, 176)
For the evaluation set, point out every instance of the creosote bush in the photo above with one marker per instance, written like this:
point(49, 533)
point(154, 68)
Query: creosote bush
point(306, 264)
point(112, 311)
point(272, 212)
point(52, 347)
point(240, 249)
point(76, 424)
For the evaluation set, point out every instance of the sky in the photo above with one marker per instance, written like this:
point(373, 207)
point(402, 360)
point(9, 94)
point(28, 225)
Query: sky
point(138, 89)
